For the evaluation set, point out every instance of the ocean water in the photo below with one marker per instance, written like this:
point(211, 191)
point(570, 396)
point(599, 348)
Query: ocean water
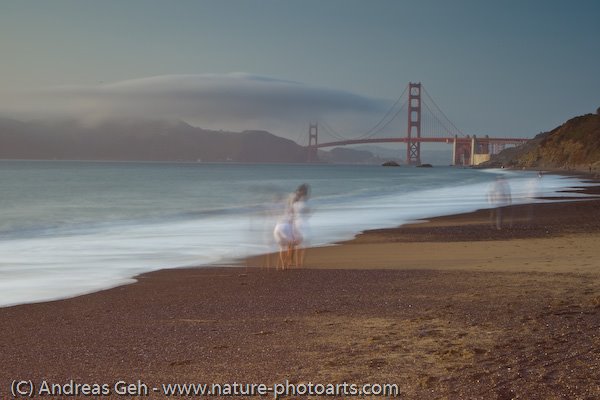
point(69, 228)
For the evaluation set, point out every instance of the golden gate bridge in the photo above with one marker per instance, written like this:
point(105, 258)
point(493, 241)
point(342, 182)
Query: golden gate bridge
point(424, 122)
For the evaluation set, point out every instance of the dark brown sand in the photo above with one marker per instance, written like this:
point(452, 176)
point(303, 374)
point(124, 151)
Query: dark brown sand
point(470, 313)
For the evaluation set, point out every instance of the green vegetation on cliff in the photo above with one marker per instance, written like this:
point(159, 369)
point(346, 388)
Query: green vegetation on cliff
point(573, 145)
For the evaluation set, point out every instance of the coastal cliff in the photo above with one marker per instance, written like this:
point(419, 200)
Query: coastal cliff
point(572, 145)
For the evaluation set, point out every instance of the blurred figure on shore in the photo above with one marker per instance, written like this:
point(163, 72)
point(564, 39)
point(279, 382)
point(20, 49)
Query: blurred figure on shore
point(273, 210)
point(284, 236)
point(292, 230)
point(534, 191)
point(301, 212)
point(499, 197)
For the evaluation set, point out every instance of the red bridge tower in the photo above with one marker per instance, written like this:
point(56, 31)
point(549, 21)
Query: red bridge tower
point(413, 147)
point(313, 136)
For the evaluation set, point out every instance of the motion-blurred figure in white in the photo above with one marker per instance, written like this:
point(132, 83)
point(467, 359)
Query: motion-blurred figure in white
point(273, 210)
point(301, 213)
point(292, 230)
point(285, 238)
point(534, 191)
point(499, 196)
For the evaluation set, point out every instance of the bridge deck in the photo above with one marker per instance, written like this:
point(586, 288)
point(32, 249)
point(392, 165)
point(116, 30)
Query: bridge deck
point(423, 140)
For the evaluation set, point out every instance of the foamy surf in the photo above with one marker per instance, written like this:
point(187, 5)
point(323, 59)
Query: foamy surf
point(81, 246)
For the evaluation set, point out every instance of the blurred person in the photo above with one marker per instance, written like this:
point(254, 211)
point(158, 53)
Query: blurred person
point(292, 230)
point(499, 196)
point(272, 212)
point(284, 236)
point(534, 191)
point(301, 213)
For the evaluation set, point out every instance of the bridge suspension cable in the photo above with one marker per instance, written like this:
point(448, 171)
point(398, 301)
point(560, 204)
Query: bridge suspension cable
point(401, 109)
point(423, 118)
point(371, 132)
point(301, 139)
point(332, 131)
point(437, 122)
point(458, 131)
point(375, 128)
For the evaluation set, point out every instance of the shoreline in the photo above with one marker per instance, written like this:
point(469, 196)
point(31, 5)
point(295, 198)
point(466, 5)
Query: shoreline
point(437, 307)
point(481, 216)
point(537, 221)
point(161, 260)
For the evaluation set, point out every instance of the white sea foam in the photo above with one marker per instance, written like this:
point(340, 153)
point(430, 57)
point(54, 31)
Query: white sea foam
point(98, 252)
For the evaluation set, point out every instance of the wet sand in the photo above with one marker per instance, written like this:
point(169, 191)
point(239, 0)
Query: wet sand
point(447, 309)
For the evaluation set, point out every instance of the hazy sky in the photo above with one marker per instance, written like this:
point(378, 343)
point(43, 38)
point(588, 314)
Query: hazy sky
point(494, 67)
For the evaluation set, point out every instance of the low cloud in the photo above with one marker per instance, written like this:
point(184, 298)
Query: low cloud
point(219, 101)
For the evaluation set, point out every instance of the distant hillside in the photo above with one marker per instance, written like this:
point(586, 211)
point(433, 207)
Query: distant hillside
point(574, 145)
point(136, 140)
point(140, 141)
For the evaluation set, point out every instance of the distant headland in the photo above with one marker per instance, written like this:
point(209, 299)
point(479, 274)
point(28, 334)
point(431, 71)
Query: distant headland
point(574, 145)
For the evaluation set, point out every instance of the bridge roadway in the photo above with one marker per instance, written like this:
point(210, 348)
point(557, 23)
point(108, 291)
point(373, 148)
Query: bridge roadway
point(422, 140)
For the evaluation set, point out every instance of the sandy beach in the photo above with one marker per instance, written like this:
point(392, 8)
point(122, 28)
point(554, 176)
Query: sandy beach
point(445, 309)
